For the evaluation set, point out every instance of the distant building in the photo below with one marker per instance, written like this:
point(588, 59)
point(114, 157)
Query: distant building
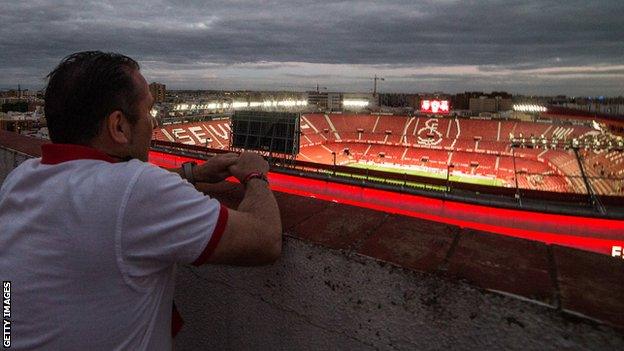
point(500, 94)
point(494, 102)
point(158, 91)
point(20, 121)
point(486, 104)
point(318, 99)
point(462, 101)
point(482, 104)
point(399, 100)
point(505, 104)
point(325, 100)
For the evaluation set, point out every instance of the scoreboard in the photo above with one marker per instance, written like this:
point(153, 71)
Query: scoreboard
point(434, 106)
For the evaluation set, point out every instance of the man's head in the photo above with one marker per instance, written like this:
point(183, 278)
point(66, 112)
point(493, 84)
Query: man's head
point(101, 100)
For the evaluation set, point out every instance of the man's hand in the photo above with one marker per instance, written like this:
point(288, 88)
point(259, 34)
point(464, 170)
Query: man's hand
point(215, 169)
point(253, 233)
point(248, 162)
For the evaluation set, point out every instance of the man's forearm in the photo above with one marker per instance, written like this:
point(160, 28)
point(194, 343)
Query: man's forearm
point(259, 202)
point(180, 172)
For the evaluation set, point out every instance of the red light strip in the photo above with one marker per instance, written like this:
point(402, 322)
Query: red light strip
point(591, 234)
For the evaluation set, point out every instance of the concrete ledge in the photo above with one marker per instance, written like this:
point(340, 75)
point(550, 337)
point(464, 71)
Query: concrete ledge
point(559, 278)
point(496, 262)
point(20, 143)
point(315, 298)
point(15, 149)
point(411, 243)
point(591, 284)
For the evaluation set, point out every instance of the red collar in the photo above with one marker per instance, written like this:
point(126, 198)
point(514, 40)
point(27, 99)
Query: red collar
point(52, 154)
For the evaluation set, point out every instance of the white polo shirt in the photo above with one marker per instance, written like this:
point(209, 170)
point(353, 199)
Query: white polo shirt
point(90, 248)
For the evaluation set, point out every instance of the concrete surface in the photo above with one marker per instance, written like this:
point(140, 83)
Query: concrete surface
point(316, 298)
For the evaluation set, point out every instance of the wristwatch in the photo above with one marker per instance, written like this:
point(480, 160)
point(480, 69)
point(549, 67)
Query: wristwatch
point(187, 171)
point(253, 175)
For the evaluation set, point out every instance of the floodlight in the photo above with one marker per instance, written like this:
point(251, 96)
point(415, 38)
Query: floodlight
point(355, 103)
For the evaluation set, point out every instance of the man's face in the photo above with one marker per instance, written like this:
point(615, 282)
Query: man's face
point(142, 130)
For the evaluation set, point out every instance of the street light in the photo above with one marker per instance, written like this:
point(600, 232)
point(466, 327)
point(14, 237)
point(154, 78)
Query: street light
point(513, 157)
point(448, 176)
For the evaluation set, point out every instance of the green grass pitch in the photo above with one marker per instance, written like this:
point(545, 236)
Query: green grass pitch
point(454, 178)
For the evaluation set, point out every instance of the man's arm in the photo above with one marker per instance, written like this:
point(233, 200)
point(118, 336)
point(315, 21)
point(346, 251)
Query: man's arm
point(167, 221)
point(214, 170)
point(253, 233)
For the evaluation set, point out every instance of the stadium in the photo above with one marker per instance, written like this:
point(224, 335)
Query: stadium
point(559, 167)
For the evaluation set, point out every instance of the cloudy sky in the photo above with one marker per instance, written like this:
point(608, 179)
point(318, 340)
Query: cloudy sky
point(533, 47)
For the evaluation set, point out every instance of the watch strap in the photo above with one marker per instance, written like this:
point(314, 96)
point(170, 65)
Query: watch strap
point(187, 171)
point(253, 175)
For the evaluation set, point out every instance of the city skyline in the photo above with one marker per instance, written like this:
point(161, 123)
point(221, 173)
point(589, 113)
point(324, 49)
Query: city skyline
point(541, 47)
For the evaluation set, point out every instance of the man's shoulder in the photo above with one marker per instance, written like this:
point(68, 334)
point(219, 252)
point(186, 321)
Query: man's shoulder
point(100, 173)
point(148, 171)
point(18, 172)
point(141, 175)
point(130, 169)
point(149, 177)
point(132, 166)
point(27, 165)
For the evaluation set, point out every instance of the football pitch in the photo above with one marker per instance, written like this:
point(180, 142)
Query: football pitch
point(454, 177)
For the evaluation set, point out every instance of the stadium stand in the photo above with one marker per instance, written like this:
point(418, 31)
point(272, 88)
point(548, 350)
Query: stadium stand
point(215, 134)
point(473, 146)
point(532, 129)
point(317, 123)
point(506, 128)
point(483, 129)
point(465, 145)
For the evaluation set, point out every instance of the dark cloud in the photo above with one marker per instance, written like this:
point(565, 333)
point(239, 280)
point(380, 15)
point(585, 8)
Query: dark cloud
point(177, 40)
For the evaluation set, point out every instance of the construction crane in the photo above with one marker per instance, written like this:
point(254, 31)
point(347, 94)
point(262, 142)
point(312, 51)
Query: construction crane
point(375, 84)
point(318, 88)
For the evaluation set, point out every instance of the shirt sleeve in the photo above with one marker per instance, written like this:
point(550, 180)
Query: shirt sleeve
point(166, 220)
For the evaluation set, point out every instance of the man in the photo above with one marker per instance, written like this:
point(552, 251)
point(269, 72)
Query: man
point(91, 233)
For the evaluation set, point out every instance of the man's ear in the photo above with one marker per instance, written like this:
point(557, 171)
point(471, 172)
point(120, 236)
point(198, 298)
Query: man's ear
point(117, 127)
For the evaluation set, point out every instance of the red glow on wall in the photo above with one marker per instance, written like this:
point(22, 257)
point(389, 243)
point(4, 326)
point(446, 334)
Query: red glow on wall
point(434, 106)
point(591, 234)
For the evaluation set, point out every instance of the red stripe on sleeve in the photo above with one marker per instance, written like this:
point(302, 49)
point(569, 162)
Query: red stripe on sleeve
point(216, 237)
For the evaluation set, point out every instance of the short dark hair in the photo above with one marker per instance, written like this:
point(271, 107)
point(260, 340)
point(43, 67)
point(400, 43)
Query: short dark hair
point(85, 88)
